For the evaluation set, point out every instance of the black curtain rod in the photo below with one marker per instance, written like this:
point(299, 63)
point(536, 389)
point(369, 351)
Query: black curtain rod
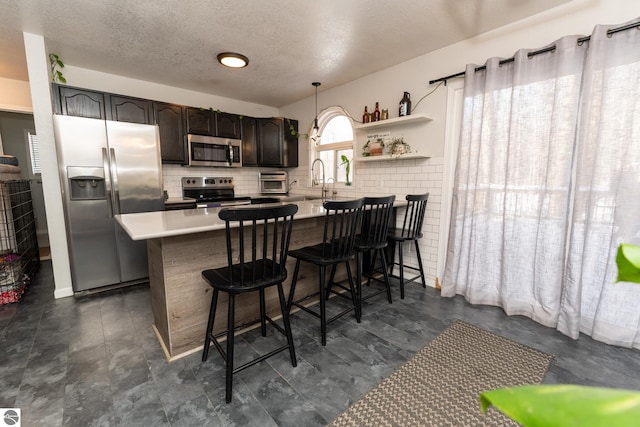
point(536, 52)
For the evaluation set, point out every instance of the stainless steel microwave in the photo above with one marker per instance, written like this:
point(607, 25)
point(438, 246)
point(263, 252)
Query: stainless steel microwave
point(213, 151)
point(274, 182)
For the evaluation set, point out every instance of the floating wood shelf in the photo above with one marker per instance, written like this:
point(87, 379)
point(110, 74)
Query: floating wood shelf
point(396, 121)
point(384, 157)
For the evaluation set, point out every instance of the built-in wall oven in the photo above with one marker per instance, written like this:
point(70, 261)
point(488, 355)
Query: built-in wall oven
point(213, 151)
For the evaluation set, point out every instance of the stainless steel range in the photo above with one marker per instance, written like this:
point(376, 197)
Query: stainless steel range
point(212, 192)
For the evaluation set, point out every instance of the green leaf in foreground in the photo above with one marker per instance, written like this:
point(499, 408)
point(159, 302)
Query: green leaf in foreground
point(565, 405)
point(628, 260)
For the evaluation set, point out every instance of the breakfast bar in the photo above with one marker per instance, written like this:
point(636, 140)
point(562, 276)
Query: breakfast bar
point(182, 243)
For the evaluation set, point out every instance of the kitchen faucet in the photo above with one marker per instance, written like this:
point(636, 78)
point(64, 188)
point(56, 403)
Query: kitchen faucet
point(334, 193)
point(314, 181)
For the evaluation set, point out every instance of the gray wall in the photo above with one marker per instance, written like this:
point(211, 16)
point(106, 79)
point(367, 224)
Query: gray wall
point(12, 134)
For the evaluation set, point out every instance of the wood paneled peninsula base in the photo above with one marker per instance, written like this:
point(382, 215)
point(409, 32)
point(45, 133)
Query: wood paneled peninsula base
point(180, 244)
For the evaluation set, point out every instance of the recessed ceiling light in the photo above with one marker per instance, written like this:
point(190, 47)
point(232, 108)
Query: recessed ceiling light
point(233, 60)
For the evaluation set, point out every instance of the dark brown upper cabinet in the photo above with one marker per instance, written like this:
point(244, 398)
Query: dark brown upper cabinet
point(200, 121)
point(227, 125)
point(133, 110)
point(276, 146)
point(72, 101)
point(170, 121)
point(249, 141)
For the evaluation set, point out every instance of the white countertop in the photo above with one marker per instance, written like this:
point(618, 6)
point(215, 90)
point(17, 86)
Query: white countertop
point(152, 225)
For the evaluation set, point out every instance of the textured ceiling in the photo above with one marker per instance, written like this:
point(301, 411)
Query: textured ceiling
point(290, 43)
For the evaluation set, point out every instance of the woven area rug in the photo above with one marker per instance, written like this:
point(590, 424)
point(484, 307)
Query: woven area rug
point(441, 384)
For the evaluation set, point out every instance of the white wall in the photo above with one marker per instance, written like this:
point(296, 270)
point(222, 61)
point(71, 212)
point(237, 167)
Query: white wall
point(16, 96)
point(387, 86)
point(39, 78)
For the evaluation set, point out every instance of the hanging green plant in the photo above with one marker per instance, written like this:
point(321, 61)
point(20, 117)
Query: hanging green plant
point(56, 74)
point(294, 132)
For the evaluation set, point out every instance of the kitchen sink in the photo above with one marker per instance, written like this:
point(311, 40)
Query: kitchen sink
point(300, 198)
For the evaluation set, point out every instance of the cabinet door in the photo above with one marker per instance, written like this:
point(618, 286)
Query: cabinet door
point(200, 121)
point(81, 103)
point(170, 121)
point(227, 125)
point(133, 110)
point(270, 138)
point(249, 141)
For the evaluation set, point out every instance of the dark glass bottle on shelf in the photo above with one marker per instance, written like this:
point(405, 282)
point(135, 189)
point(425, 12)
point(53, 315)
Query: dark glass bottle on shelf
point(366, 117)
point(405, 105)
point(376, 114)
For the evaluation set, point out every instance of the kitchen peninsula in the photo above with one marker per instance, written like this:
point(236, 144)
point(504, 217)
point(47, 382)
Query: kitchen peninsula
point(182, 243)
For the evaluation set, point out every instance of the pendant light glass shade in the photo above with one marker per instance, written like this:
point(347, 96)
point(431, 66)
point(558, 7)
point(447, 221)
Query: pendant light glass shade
point(315, 132)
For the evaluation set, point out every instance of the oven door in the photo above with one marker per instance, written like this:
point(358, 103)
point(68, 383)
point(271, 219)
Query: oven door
point(211, 151)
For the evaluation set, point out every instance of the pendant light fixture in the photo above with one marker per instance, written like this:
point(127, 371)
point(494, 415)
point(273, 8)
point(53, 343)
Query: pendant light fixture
point(315, 133)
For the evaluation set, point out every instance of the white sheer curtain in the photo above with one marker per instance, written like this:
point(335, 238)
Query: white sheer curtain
point(607, 193)
point(547, 146)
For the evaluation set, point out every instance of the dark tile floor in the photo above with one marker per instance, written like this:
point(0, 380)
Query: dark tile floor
point(95, 361)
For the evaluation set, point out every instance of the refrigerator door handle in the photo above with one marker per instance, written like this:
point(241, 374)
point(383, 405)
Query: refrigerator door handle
point(107, 181)
point(114, 179)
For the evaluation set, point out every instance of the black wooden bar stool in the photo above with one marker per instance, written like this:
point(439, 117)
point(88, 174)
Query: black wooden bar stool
point(410, 231)
point(259, 238)
point(340, 227)
point(376, 214)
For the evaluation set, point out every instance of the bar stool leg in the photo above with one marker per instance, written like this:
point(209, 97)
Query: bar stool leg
point(212, 316)
point(263, 310)
point(287, 325)
point(424, 282)
point(230, 337)
point(393, 252)
point(359, 256)
point(354, 297)
point(387, 283)
point(323, 314)
point(292, 290)
point(401, 267)
point(331, 279)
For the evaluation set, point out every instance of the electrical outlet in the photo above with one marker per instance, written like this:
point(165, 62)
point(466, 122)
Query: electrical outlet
point(379, 183)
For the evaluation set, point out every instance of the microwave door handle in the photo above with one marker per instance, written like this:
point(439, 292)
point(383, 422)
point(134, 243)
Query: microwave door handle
point(230, 158)
point(107, 168)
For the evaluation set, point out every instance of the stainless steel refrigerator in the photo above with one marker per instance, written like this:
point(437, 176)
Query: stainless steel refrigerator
point(106, 168)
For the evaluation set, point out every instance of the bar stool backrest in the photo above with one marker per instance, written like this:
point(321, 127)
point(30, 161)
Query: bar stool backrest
point(341, 223)
point(414, 216)
point(376, 216)
point(260, 242)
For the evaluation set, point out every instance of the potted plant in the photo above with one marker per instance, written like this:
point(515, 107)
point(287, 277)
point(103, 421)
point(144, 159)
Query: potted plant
point(347, 163)
point(399, 147)
point(373, 148)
